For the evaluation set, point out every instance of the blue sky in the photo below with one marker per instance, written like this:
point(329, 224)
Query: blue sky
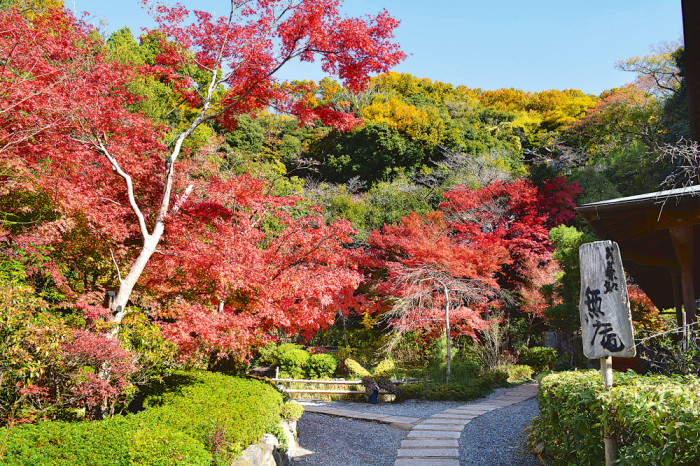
point(531, 45)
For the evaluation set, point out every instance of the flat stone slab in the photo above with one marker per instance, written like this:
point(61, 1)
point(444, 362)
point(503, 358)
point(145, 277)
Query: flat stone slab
point(431, 434)
point(446, 421)
point(366, 416)
point(401, 419)
point(477, 412)
point(402, 426)
point(426, 462)
point(324, 410)
point(428, 453)
point(441, 427)
point(426, 443)
point(465, 417)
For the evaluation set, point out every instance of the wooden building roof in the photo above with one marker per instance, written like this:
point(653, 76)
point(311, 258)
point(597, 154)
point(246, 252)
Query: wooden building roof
point(643, 227)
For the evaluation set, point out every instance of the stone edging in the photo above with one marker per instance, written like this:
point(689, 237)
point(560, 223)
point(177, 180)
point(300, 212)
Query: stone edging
point(266, 451)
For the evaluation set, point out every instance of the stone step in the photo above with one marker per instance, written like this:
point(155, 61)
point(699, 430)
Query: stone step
point(466, 417)
point(446, 421)
point(428, 453)
point(442, 427)
point(426, 462)
point(425, 443)
point(431, 434)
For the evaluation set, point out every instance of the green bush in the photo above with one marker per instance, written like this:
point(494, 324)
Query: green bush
point(164, 446)
point(518, 372)
point(321, 365)
point(355, 369)
point(190, 419)
point(655, 419)
point(541, 359)
point(291, 410)
point(384, 369)
point(489, 380)
point(293, 362)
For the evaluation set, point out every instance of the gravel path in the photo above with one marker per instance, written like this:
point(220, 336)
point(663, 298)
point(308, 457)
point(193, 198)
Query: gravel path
point(337, 441)
point(498, 438)
point(495, 438)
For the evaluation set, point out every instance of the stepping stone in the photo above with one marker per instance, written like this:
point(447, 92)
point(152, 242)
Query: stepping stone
point(431, 434)
point(476, 412)
point(425, 443)
point(466, 417)
point(401, 425)
point(369, 417)
point(426, 462)
point(428, 452)
point(446, 421)
point(401, 419)
point(441, 427)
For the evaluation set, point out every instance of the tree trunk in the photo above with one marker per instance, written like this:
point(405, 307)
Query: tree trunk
point(127, 284)
point(447, 334)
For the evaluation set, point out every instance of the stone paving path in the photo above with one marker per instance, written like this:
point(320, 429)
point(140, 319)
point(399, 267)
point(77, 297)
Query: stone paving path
point(435, 441)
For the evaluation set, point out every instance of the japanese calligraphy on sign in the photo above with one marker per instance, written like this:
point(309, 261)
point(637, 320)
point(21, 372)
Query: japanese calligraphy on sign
point(606, 321)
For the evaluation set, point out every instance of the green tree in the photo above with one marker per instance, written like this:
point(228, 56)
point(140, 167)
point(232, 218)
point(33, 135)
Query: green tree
point(566, 241)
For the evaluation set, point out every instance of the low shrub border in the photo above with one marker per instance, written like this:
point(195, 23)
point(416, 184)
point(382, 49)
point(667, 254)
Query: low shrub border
point(655, 419)
point(193, 419)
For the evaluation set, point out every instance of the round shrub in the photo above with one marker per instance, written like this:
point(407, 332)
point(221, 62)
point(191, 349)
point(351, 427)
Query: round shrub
point(518, 372)
point(321, 365)
point(355, 369)
point(291, 410)
point(293, 362)
point(384, 368)
point(539, 358)
point(493, 379)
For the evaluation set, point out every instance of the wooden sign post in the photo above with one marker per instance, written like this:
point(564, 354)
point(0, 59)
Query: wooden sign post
point(606, 320)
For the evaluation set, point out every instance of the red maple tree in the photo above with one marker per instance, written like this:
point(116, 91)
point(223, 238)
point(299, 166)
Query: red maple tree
point(506, 214)
point(65, 128)
point(242, 265)
point(435, 280)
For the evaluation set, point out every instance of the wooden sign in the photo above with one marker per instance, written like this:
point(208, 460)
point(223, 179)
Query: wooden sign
point(606, 321)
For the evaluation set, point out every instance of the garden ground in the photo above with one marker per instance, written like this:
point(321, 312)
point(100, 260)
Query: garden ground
point(486, 431)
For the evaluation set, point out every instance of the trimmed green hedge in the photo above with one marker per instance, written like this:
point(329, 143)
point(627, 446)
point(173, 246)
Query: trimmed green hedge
point(321, 366)
point(655, 419)
point(192, 419)
point(293, 362)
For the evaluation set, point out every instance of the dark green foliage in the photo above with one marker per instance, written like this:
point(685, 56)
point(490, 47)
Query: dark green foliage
point(493, 379)
point(566, 241)
point(655, 419)
point(675, 112)
point(372, 152)
point(249, 135)
point(539, 358)
point(595, 186)
point(321, 366)
point(191, 419)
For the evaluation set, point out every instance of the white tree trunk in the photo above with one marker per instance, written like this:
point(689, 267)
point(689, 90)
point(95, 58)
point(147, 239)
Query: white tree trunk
point(127, 284)
point(448, 340)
